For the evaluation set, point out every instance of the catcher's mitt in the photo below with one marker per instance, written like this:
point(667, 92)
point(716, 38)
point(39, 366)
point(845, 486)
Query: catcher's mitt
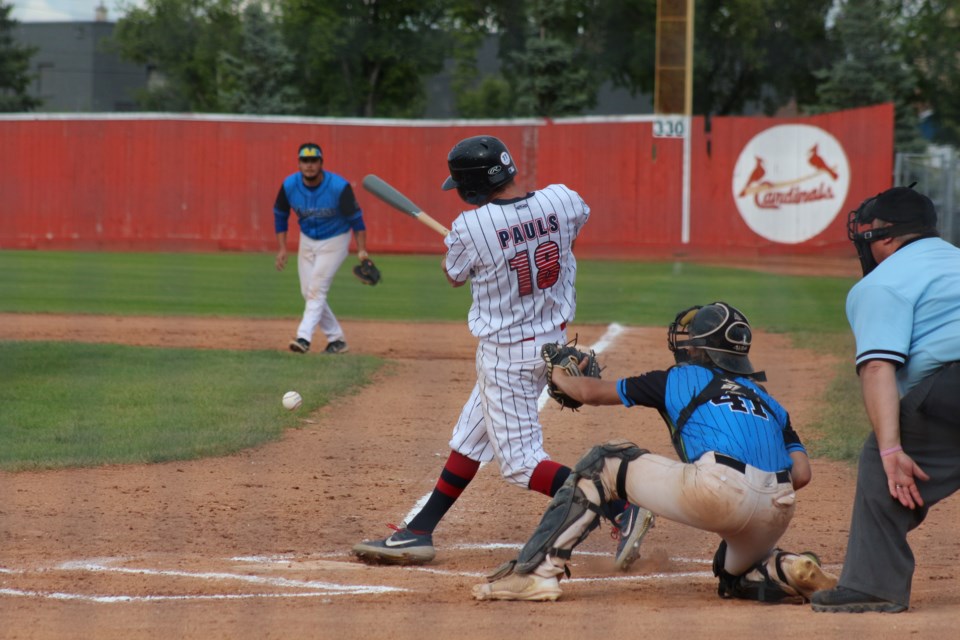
point(367, 272)
point(568, 358)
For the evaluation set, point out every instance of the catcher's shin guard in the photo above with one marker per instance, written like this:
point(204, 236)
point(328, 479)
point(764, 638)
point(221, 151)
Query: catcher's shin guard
point(571, 516)
point(566, 523)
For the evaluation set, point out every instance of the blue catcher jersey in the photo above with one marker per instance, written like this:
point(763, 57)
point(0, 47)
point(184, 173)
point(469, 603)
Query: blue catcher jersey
point(324, 211)
point(742, 420)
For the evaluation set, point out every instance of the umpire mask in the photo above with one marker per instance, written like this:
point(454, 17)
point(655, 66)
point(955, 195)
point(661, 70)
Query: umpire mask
point(906, 210)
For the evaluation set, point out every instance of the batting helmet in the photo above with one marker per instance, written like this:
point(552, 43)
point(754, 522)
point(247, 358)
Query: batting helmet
point(717, 328)
point(479, 166)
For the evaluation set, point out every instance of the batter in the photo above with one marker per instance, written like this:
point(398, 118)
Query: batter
point(516, 250)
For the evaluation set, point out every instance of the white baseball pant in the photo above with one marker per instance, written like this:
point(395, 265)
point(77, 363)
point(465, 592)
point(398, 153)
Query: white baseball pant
point(317, 264)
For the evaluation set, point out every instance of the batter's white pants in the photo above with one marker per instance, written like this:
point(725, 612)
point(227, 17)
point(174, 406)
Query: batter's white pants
point(750, 510)
point(317, 264)
point(501, 419)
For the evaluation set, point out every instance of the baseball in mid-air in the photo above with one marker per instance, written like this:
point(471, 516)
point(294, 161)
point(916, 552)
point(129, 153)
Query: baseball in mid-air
point(292, 400)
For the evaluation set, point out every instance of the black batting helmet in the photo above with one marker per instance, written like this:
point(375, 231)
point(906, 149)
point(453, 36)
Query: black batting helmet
point(720, 330)
point(479, 166)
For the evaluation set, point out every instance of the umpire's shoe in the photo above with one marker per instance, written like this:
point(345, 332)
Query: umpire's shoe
point(403, 547)
point(844, 600)
point(631, 527)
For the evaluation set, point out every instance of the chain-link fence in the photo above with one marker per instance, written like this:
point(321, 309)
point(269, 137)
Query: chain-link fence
point(937, 174)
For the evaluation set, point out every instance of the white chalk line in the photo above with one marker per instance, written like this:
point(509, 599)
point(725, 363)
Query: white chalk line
point(300, 588)
point(327, 588)
point(610, 335)
point(59, 595)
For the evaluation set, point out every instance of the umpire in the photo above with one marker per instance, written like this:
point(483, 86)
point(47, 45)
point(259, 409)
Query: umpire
point(905, 316)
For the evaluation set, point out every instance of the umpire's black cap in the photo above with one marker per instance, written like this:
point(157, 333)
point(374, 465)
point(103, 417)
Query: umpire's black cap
point(899, 205)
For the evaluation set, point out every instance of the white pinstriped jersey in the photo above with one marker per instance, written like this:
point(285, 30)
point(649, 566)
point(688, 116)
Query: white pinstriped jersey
point(518, 256)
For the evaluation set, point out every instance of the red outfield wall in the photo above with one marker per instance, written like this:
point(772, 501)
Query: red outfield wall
point(163, 182)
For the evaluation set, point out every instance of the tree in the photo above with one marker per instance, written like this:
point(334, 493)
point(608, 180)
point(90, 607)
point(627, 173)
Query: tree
point(260, 77)
point(184, 41)
point(872, 66)
point(548, 52)
point(627, 48)
point(931, 43)
point(14, 67)
point(365, 59)
point(554, 73)
point(763, 52)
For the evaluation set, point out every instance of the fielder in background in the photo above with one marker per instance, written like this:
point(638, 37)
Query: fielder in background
point(905, 316)
point(740, 464)
point(516, 249)
point(326, 211)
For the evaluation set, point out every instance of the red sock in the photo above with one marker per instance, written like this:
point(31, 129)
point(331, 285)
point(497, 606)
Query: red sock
point(548, 477)
point(456, 475)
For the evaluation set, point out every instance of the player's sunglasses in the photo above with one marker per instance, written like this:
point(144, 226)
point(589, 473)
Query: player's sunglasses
point(310, 160)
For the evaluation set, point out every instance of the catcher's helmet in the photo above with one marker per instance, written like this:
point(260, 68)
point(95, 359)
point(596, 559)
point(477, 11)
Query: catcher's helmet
point(479, 166)
point(717, 328)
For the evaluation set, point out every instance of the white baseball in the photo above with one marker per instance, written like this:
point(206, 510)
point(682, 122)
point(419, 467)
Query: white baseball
point(292, 400)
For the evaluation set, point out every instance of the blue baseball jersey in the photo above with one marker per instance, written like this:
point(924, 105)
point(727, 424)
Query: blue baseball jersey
point(907, 310)
point(324, 211)
point(733, 422)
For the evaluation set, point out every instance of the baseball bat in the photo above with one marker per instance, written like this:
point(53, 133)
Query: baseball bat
point(400, 202)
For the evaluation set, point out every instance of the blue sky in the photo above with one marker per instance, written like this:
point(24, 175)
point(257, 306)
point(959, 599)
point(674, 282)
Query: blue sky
point(65, 10)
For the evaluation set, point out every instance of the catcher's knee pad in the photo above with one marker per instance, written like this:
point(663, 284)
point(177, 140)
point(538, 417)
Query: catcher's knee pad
point(590, 465)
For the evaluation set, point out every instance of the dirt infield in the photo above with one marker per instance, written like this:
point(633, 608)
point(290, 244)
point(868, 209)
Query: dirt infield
point(256, 545)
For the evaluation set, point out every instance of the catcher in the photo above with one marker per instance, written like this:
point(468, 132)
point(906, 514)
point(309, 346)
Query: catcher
point(740, 465)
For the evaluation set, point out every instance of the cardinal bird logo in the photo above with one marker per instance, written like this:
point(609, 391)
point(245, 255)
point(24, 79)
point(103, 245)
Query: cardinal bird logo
point(818, 163)
point(758, 172)
point(754, 186)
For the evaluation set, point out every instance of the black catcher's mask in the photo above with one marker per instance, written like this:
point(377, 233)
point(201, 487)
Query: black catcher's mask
point(721, 331)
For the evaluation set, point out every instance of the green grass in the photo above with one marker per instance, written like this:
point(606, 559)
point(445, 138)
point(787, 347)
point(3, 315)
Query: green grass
point(413, 288)
point(842, 425)
point(82, 404)
point(79, 405)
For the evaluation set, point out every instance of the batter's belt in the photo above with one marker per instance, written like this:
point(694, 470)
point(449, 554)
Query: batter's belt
point(782, 476)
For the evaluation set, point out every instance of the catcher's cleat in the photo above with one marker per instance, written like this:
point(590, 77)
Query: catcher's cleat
point(631, 527)
point(843, 600)
point(403, 547)
point(804, 574)
point(519, 587)
point(299, 345)
point(337, 346)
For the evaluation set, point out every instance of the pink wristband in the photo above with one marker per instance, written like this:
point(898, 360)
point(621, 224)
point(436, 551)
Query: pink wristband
point(887, 452)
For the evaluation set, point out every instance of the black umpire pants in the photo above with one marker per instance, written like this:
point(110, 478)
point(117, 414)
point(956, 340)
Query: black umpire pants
point(879, 560)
